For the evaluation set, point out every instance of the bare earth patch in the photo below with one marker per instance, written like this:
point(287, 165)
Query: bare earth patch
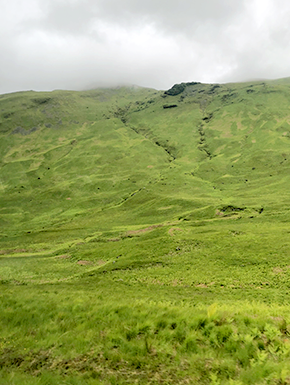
point(132, 232)
point(101, 262)
point(20, 251)
point(84, 263)
point(149, 166)
point(11, 251)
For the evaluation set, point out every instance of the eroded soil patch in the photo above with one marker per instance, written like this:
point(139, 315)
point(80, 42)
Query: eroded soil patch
point(84, 263)
point(140, 231)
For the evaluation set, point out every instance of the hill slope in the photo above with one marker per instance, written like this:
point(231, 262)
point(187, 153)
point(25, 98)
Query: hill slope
point(166, 213)
point(100, 147)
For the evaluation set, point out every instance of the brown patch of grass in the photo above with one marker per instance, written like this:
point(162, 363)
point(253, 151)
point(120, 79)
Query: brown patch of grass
point(64, 256)
point(140, 231)
point(84, 263)
point(113, 240)
point(101, 262)
point(149, 166)
point(171, 231)
point(34, 165)
point(13, 251)
point(176, 282)
point(226, 134)
point(239, 125)
point(203, 285)
point(278, 270)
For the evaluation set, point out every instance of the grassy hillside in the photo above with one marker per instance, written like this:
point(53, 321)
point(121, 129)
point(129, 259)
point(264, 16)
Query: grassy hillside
point(144, 235)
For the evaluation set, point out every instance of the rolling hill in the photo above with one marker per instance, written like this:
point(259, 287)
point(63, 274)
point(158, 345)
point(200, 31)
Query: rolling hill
point(144, 235)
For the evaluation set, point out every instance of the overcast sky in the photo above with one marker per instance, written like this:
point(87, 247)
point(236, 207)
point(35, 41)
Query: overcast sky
point(81, 44)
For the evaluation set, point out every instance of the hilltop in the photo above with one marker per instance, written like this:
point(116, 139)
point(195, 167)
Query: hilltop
point(165, 212)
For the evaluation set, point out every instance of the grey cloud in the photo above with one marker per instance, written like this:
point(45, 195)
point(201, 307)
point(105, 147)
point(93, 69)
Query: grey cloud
point(47, 44)
point(172, 15)
point(184, 16)
point(62, 17)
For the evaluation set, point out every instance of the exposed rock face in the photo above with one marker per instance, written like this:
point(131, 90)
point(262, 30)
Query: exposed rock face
point(179, 88)
point(169, 105)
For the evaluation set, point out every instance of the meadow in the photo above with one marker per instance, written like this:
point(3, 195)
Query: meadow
point(144, 235)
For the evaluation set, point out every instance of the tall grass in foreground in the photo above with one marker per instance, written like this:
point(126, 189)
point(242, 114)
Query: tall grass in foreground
point(75, 335)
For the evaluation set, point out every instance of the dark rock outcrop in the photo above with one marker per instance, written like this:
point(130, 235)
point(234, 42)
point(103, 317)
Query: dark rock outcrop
point(179, 88)
point(169, 105)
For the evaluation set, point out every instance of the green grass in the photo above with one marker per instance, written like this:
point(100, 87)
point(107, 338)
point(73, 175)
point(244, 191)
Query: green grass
point(142, 244)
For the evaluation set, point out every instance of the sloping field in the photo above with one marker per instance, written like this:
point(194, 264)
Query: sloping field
point(144, 235)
